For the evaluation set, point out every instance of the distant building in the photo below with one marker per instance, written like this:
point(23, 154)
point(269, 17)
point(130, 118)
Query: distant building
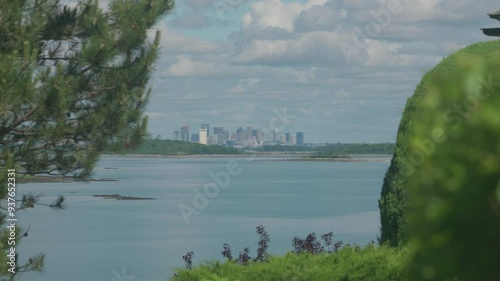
point(249, 133)
point(203, 136)
point(259, 136)
point(273, 135)
point(177, 135)
point(226, 134)
point(300, 138)
point(216, 139)
point(292, 140)
point(195, 137)
point(287, 137)
point(185, 133)
point(240, 134)
point(218, 130)
point(206, 126)
point(220, 139)
point(282, 139)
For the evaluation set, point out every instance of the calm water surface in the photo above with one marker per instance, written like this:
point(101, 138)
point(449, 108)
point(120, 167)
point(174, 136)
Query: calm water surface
point(112, 240)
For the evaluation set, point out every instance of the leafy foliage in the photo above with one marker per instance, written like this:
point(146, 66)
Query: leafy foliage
point(454, 211)
point(244, 257)
point(73, 82)
point(312, 246)
point(227, 252)
point(369, 263)
point(188, 259)
point(307, 245)
point(264, 240)
point(393, 202)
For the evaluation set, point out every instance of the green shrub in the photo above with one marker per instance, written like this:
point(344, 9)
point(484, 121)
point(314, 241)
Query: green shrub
point(453, 148)
point(370, 263)
point(394, 198)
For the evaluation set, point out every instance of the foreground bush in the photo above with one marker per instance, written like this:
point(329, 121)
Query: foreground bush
point(370, 263)
point(444, 107)
point(454, 151)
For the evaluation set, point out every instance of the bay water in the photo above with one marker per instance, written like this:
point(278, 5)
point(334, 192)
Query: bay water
point(144, 240)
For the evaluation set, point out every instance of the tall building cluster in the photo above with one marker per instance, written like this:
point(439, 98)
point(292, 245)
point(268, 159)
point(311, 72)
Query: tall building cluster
point(242, 137)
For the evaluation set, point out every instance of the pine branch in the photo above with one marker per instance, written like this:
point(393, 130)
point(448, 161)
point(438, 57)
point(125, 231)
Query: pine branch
point(16, 123)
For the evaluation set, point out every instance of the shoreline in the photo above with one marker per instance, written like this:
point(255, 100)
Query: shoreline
point(55, 179)
point(297, 156)
point(367, 160)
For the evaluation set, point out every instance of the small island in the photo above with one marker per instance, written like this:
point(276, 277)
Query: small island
point(121, 197)
point(327, 155)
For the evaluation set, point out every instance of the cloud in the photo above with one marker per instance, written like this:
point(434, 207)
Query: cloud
point(192, 19)
point(177, 43)
point(263, 14)
point(289, 53)
point(243, 86)
point(312, 33)
point(200, 3)
point(186, 67)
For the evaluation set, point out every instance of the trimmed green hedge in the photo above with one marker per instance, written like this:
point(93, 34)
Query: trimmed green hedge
point(394, 198)
point(453, 166)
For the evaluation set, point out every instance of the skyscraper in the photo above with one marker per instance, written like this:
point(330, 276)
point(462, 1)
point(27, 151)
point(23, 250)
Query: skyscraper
point(259, 135)
point(287, 137)
point(300, 138)
point(177, 135)
point(274, 135)
point(185, 133)
point(206, 126)
point(203, 136)
point(240, 134)
point(218, 130)
point(195, 137)
point(249, 133)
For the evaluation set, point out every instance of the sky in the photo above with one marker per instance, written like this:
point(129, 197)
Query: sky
point(337, 70)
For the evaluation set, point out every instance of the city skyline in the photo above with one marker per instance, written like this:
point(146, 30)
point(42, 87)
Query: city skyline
point(239, 65)
point(243, 136)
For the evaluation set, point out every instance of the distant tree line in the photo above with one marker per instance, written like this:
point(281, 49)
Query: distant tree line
point(338, 148)
point(171, 147)
point(358, 148)
point(283, 148)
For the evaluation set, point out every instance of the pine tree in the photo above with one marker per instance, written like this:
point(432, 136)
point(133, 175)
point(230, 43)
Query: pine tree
point(73, 82)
